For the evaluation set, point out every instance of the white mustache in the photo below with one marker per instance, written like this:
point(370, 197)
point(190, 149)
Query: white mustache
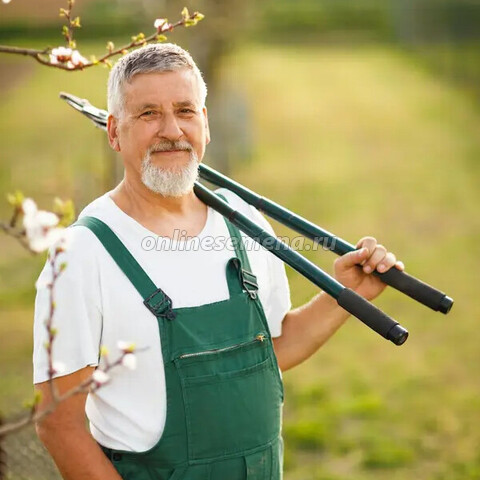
point(169, 146)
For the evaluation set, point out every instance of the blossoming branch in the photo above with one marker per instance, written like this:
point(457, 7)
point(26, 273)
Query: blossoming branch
point(69, 58)
point(41, 230)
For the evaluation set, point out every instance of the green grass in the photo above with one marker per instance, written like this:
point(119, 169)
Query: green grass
point(361, 141)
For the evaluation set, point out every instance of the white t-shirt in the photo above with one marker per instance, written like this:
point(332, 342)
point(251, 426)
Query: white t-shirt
point(97, 305)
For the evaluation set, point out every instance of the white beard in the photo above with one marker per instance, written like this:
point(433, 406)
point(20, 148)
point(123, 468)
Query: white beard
point(169, 182)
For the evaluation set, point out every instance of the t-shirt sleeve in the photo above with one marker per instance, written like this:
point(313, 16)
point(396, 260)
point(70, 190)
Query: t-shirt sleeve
point(275, 292)
point(77, 315)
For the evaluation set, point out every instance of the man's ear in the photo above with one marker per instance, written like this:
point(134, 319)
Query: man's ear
point(112, 130)
point(207, 128)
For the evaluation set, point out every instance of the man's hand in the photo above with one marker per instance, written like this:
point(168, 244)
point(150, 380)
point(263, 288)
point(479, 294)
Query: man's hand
point(353, 269)
point(307, 328)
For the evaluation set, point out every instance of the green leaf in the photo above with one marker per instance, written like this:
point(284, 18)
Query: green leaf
point(37, 397)
point(76, 22)
point(194, 19)
point(15, 199)
point(64, 209)
point(161, 38)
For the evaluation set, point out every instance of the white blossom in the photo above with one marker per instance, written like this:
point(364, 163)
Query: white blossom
point(162, 25)
point(60, 55)
point(100, 377)
point(6, 1)
point(127, 347)
point(77, 60)
point(41, 228)
point(29, 207)
point(44, 241)
point(129, 361)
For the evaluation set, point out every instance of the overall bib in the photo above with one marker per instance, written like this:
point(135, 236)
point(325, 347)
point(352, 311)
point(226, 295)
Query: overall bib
point(224, 390)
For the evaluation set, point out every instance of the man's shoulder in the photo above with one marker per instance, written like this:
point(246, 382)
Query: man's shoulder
point(82, 242)
point(234, 200)
point(98, 206)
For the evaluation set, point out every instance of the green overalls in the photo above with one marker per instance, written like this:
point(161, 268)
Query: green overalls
point(224, 391)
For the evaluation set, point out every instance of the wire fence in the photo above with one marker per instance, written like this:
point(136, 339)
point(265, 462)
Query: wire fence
point(26, 458)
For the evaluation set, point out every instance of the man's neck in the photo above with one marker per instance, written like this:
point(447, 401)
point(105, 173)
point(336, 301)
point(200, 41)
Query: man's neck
point(162, 215)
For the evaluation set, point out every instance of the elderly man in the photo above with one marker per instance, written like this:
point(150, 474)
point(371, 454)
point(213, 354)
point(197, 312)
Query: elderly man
point(205, 400)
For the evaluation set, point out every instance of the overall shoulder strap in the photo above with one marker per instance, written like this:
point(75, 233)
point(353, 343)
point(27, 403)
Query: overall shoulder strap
point(248, 279)
point(154, 299)
point(237, 240)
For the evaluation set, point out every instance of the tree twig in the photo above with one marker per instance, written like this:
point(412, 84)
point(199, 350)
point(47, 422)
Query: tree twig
point(139, 40)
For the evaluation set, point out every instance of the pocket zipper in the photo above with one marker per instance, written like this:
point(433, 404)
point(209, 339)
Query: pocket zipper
point(260, 337)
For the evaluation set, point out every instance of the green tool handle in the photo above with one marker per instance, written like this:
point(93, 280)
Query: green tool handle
point(346, 298)
point(402, 281)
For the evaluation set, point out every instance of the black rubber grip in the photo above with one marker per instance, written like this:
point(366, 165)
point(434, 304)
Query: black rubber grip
point(416, 289)
point(371, 316)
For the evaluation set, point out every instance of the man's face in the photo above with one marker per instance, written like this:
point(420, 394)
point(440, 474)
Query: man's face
point(163, 124)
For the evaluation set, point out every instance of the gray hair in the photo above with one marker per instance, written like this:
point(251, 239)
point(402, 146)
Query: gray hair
point(156, 57)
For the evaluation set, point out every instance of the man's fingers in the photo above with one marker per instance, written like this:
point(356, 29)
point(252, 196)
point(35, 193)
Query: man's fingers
point(370, 256)
point(400, 265)
point(352, 258)
point(387, 263)
point(377, 256)
point(369, 243)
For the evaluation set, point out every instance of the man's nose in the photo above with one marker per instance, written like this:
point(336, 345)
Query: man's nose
point(170, 128)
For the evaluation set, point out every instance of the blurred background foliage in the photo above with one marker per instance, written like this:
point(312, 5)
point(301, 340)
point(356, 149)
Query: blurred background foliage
point(361, 115)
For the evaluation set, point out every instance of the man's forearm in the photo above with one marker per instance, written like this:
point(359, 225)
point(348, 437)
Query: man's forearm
point(77, 454)
point(306, 329)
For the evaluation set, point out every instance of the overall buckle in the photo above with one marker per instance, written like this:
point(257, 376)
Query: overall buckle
point(160, 304)
point(249, 282)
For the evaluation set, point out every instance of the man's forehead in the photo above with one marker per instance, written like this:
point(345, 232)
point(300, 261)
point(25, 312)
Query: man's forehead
point(178, 86)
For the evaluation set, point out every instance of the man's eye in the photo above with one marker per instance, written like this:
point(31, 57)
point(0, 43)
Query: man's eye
point(148, 113)
point(187, 110)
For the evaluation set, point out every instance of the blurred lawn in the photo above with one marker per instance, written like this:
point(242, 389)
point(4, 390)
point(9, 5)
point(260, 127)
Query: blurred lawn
point(361, 141)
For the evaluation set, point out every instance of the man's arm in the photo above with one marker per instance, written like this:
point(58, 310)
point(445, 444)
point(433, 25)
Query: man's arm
point(307, 328)
point(64, 433)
